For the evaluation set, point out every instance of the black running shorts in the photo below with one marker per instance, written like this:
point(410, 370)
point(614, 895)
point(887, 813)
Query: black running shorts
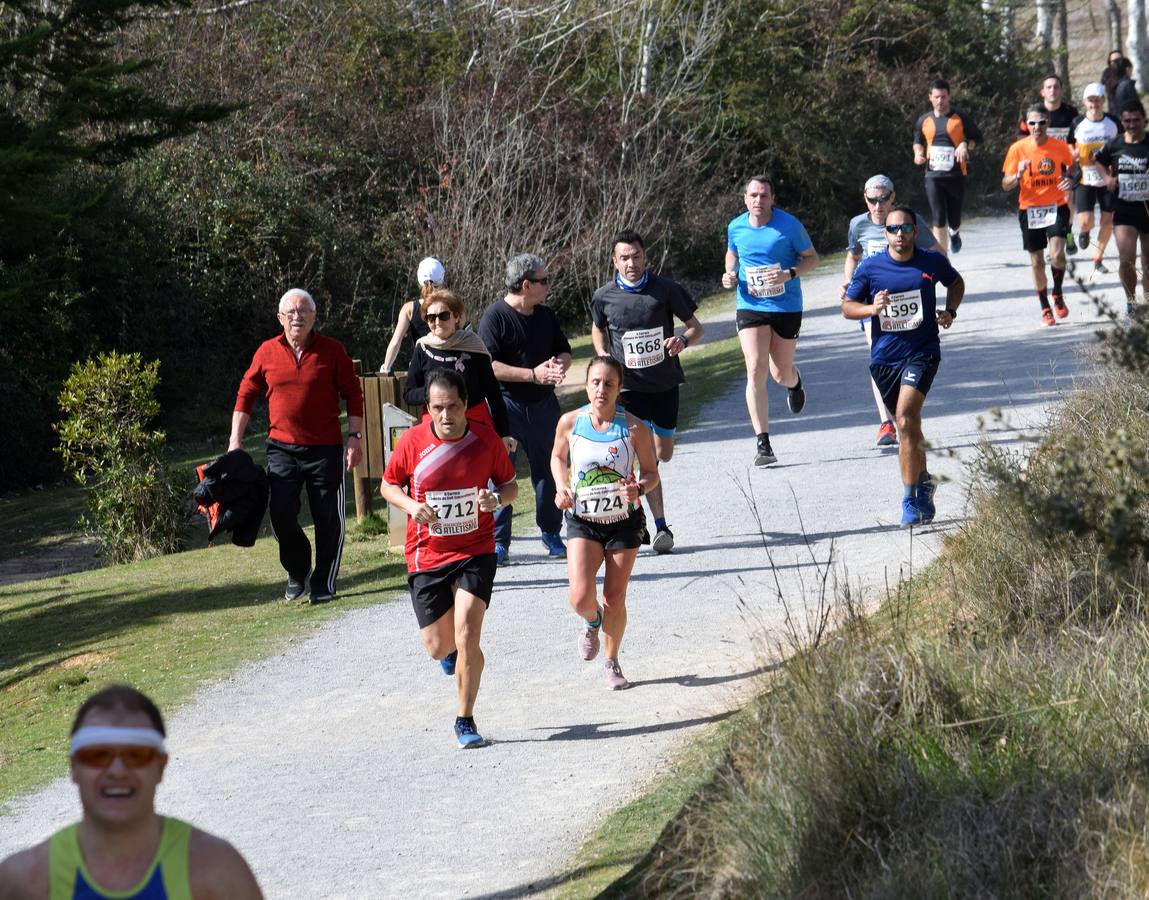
point(1085, 197)
point(431, 591)
point(1035, 240)
point(658, 409)
point(1135, 214)
point(785, 324)
point(945, 196)
point(624, 535)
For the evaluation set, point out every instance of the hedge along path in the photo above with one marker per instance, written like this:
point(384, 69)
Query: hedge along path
point(332, 765)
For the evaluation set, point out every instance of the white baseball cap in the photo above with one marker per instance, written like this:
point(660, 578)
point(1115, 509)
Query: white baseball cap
point(1094, 89)
point(430, 269)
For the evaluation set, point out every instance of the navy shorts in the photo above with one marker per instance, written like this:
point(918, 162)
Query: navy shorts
point(1035, 239)
point(916, 371)
point(785, 324)
point(658, 409)
point(431, 593)
point(624, 535)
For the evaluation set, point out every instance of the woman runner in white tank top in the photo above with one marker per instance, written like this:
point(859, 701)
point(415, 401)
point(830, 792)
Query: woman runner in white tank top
point(595, 451)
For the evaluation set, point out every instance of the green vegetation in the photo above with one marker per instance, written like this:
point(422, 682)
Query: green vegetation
point(985, 733)
point(136, 506)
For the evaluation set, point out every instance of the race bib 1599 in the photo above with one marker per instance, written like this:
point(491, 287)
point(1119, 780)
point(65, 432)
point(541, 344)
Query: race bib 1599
point(903, 312)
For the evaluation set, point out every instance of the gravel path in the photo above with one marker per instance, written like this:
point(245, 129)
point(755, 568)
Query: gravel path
point(332, 765)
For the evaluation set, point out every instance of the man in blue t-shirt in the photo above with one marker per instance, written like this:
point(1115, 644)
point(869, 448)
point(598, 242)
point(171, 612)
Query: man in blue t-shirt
point(767, 250)
point(896, 292)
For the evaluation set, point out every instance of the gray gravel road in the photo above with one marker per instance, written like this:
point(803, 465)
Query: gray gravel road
point(332, 766)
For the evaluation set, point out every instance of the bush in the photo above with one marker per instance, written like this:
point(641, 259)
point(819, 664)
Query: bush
point(135, 508)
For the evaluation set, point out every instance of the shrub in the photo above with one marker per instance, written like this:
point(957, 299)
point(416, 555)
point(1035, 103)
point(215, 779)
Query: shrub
point(135, 509)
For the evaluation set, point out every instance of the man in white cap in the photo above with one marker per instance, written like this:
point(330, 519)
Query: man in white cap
point(1090, 133)
point(865, 237)
point(122, 847)
point(430, 275)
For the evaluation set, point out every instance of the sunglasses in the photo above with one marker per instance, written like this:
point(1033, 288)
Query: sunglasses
point(881, 198)
point(546, 280)
point(901, 228)
point(101, 757)
point(444, 316)
point(1038, 123)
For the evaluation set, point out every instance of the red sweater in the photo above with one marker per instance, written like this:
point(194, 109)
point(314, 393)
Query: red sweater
point(302, 396)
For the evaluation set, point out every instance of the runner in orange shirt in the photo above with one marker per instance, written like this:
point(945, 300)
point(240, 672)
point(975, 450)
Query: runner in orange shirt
point(1039, 166)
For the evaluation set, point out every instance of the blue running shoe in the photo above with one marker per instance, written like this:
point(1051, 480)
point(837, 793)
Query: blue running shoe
point(502, 554)
point(911, 514)
point(926, 488)
point(467, 736)
point(447, 663)
point(554, 544)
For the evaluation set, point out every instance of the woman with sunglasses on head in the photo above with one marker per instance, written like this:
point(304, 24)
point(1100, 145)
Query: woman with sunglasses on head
point(430, 276)
point(865, 237)
point(593, 461)
point(121, 847)
point(450, 346)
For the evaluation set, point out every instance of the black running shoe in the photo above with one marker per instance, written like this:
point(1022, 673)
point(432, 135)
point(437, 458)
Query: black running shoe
point(796, 396)
point(765, 455)
point(1083, 241)
point(295, 588)
point(955, 242)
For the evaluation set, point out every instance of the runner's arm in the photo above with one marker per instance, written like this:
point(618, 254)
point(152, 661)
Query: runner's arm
point(807, 262)
point(598, 338)
point(395, 495)
point(24, 875)
point(239, 422)
point(647, 461)
point(955, 293)
point(848, 274)
point(401, 325)
point(217, 871)
point(507, 492)
point(560, 453)
point(692, 335)
point(730, 270)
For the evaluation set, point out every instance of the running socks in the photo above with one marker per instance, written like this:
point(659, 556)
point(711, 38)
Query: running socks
point(1058, 278)
point(908, 490)
point(659, 524)
point(597, 620)
point(1043, 297)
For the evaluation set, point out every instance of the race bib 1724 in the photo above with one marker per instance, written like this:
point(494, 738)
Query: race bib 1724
point(603, 503)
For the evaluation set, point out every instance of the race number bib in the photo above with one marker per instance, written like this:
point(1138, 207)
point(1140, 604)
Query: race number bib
point(903, 312)
point(1133, 186)
point(1041, 216)
point(1089, 174)
point(941, 158)
point(458, 511)
point(642, 348)
point(758, 286)
point(1060, 133)
point(873, 247)
point(602, 503)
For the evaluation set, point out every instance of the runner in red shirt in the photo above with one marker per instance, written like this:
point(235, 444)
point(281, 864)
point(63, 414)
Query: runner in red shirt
point(439, 475)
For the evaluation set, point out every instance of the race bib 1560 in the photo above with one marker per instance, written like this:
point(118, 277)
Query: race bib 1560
point(1133, 186)
point(458, 511)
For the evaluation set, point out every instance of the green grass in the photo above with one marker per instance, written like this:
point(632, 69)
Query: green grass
point(173, 624)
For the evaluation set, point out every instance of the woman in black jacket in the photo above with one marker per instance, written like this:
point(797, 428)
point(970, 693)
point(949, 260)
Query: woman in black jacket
point(448, 346)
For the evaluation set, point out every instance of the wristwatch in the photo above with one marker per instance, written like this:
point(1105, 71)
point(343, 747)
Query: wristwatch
point(953, 312)
point(355, 434)
point(793, 273)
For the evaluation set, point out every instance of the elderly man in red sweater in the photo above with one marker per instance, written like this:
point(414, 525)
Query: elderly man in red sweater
point(303, 374)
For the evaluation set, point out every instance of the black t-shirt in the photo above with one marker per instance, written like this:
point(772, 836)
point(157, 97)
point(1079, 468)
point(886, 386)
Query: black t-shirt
point(1060, 126)
point(622, 313)
point(1131, 163)
point(523, 341)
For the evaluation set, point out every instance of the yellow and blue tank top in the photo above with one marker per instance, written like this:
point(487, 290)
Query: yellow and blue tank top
point(600, 457)
point(166, 879)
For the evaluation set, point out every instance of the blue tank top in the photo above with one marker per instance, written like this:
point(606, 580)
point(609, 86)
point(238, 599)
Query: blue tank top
point(600, 458)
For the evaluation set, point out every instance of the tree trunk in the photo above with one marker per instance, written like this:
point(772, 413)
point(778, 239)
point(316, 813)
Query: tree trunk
point(1046, 10)
point(1063, 47)
point(1137, 41)
point(1113, 14)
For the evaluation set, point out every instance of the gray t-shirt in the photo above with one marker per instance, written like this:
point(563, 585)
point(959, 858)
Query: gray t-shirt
point(633, 320)
point(866, 238)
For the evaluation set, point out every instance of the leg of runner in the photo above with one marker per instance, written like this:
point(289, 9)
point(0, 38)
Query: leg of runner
point(755, 343)
point(439, 637)
point(911, 452)
point(1084, 226)
point(1057, 262)
point(887, 432)
point(1103, 236)
point(1144, 241)
point(583, 560)
point(1127, 239)
point(619, 564)
point(468, 627)
point(664, 450)
point(1041, 284)
point(782, 367)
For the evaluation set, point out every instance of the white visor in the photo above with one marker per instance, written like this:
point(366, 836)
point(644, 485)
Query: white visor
point(114, 736)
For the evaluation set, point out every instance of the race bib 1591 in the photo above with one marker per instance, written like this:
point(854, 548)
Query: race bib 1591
point(941, 158)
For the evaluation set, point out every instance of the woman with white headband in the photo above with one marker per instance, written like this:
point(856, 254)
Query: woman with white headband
point(122, 848)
